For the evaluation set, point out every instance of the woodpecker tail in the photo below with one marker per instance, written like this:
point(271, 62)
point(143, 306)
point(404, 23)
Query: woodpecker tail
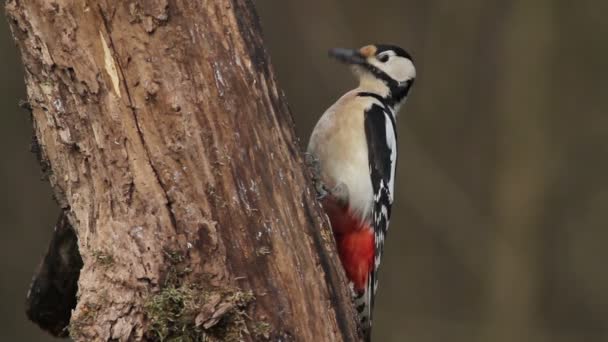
point(364, 302)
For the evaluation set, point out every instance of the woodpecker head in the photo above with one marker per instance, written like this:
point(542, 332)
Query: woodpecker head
point(387, 70)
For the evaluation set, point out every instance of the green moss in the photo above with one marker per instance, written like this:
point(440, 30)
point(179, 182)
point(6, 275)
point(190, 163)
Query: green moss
point(176, 269)
point(174, 257)
point(171, 316)
point(261, 330)
point(173, 311)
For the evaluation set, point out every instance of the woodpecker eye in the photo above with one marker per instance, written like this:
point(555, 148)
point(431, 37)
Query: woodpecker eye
point(383, 58)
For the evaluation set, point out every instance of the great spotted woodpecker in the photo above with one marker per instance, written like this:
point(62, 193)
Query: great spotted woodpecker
point(354, 151)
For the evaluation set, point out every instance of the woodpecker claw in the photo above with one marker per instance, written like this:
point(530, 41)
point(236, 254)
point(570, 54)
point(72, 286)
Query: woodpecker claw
point(340, 194)
point(313, 164)
point(322, 190)
point(315, 169)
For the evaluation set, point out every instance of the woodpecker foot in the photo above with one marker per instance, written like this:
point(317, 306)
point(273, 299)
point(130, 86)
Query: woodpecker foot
point(322, 190)
point(314, 166)
point(340, 194)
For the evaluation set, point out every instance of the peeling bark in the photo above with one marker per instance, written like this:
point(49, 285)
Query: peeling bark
point(173, 153)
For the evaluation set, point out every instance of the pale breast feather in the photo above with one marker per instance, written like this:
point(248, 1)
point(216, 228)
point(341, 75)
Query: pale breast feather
point(339, 144)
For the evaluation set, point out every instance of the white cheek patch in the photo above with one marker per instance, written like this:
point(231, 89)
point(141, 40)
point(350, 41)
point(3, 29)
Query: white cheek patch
point(402, 69)
point(398, 68)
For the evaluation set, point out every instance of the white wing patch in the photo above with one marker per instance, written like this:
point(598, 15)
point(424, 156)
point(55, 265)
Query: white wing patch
point(391, 142)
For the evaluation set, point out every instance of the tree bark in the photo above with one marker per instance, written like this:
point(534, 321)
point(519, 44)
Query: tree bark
point(173, 152)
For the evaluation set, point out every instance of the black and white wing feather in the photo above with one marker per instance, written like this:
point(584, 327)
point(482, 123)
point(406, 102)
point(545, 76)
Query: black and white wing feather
point(381, 134)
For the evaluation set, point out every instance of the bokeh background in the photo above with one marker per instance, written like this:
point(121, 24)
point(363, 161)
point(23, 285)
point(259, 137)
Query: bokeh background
point(500, 228)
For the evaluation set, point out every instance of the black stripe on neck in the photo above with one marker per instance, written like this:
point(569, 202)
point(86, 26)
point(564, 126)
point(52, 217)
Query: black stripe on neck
point(377, 97)
point(397, 92)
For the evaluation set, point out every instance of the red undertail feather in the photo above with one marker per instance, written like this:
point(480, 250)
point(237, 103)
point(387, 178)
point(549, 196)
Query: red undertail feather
point(355, 241)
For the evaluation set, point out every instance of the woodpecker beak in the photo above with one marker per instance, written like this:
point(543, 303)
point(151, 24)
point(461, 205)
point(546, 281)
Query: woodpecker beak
point(348, 56)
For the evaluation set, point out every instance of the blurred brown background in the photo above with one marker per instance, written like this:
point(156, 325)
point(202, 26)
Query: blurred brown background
point(502, 201)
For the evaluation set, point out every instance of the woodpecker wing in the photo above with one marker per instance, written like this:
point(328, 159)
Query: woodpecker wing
point(381, 135)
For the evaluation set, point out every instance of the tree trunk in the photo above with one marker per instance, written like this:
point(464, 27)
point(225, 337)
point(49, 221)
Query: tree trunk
point(172, 151)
